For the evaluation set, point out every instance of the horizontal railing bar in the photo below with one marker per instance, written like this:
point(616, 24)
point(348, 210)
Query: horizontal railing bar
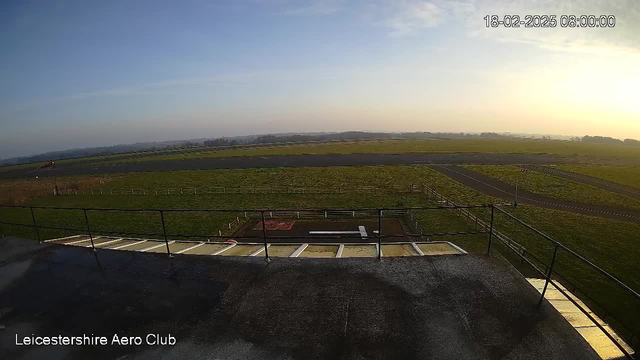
point(624, 351)
point(252, 210)
point(580, 257)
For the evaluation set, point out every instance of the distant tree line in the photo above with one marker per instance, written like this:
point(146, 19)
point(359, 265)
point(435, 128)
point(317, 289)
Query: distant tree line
point(609, 140)
point(279, 138)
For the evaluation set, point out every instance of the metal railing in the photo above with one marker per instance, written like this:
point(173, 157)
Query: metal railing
point(379, 214)
point(549, 270)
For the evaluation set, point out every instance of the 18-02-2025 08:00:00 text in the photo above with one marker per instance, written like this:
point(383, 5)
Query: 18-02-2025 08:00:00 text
point(550, 21)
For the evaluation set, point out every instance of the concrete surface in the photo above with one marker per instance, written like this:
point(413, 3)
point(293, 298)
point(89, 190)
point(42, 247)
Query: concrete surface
point(598, 340)
point(440, 307)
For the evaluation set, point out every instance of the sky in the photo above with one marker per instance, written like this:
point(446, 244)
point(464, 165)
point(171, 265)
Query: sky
point(95, 73)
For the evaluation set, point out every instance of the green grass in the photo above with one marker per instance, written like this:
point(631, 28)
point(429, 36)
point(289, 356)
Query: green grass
point(625, 175)
point(589, 152)
point(557, 187)
point(503, 146)
point(608, 243)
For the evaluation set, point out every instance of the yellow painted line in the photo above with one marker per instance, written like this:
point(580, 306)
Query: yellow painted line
point(596, 338)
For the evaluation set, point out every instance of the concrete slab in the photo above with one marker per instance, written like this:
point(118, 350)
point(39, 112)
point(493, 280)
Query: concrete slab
point(122, 243)
point(141, 245)
point(357, 251)
point(206, 249)
point(398, 250)
point(282, 250)
point(319, 251)
point(241, 250)
point(596, 338)
point(438, 249)
point(427, 307)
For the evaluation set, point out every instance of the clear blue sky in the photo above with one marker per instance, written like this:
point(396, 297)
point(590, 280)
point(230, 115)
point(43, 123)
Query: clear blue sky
point(93, 73)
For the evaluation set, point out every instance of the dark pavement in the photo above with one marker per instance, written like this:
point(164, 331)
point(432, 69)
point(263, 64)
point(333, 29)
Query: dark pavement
point(602, 184)
point(93, 168)
point(446, 307)
point(497, 188)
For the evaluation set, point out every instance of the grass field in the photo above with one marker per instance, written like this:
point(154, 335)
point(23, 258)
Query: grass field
point(608, 243)
point(625, 175)
point(505, 146)
point(588, 151)
point(556, 187)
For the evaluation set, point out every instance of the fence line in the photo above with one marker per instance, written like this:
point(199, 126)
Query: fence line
point(548, 271)
point(379, 214)
point(473, 219)
point(247, 189)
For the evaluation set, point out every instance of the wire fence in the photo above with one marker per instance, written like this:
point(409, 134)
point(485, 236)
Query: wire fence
point(246, 189)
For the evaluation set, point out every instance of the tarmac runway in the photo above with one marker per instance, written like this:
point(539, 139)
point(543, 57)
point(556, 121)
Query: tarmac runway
point(496, 188)
point(93, 168)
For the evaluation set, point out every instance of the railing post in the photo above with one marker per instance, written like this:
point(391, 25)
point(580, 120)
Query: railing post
point(264, 237)
point(35, 226)
point(379, 234)
point(86, 219)
point(164, 232)
point(546, 284)
point(493, 209)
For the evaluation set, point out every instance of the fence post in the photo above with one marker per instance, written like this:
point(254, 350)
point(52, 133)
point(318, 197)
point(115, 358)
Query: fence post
point(264, 236)
point(379, 234)
point(164, 231)
point(35, 226)
point(546, 284)
point(86, 219)
point(491, 229)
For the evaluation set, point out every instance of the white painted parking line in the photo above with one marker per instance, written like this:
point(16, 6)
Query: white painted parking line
point(106, 242)
point(125, 245)
point(417, 249)
point(155, 246)
point(64, 238)
point(457, 248)
point(299, 250)
point(224, 249)
point(340, 250)
point(333, 232)
point(259, 250)
point(189, 248)
point(79, 241)
point(363, 232)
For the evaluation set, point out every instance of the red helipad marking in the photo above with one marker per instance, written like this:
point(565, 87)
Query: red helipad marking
point(275, 225)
